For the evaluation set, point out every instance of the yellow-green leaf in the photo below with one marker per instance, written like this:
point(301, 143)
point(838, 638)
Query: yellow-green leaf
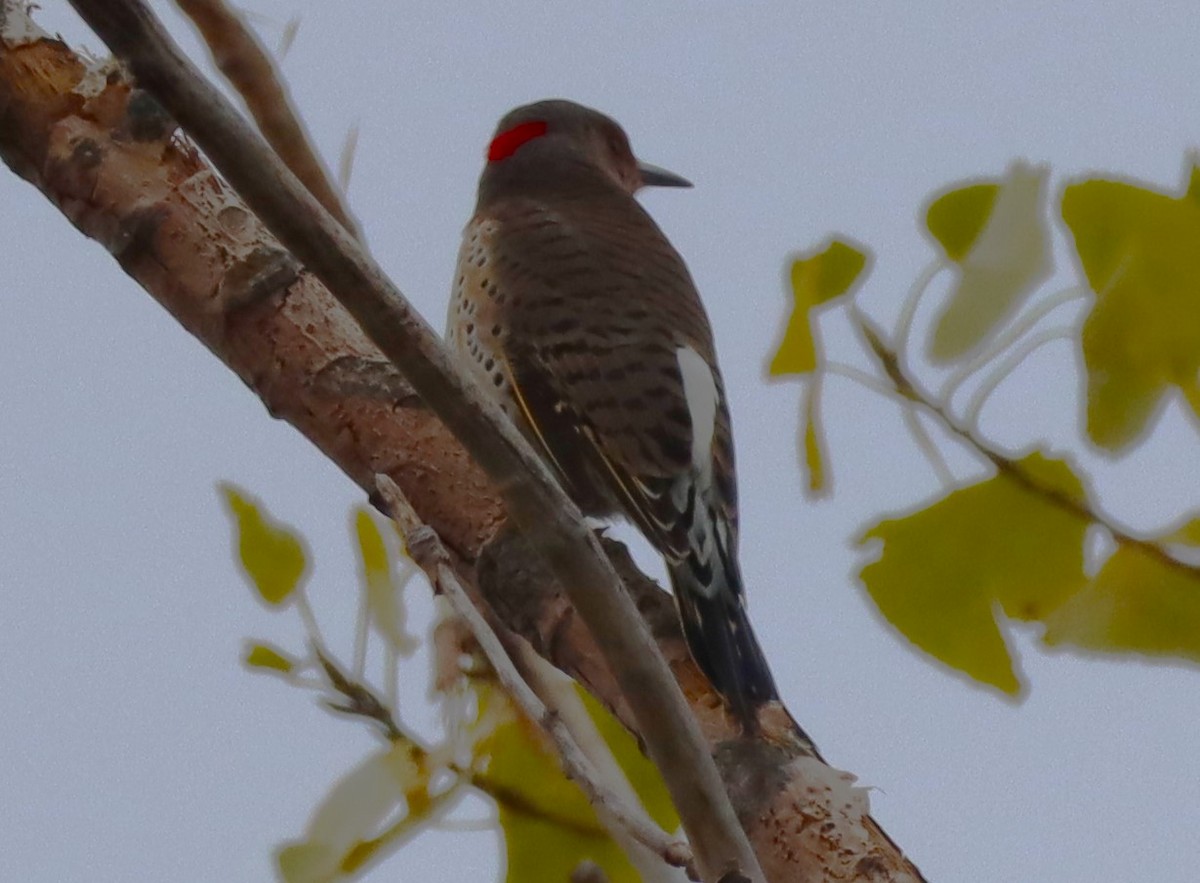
point(1137, 603)
point(307, 863)
point(996, 235)
point(956, 217)
point(549, 827)
point(385, 601)
point(815, 456)
point(1187, 534)
point(1138, 249)
point(816, 279)
point(345, 825)
point(262, 655)
point(270, 553)
point(642, 774)
point(946, 571)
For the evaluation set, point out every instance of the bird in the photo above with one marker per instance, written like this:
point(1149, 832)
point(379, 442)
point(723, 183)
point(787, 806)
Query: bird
point(573, 309)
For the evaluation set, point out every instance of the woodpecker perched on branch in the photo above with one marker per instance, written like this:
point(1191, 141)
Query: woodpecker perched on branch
point(572, 307)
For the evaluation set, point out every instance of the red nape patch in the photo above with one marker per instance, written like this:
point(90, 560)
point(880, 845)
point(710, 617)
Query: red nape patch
point(506, 143)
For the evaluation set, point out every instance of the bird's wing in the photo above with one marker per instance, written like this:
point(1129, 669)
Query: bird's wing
point(593, 351)
point(585, 457)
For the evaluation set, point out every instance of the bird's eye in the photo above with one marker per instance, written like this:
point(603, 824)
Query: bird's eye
point(616, 146)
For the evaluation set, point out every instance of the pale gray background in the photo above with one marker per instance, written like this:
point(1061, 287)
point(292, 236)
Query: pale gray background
point(135, 747)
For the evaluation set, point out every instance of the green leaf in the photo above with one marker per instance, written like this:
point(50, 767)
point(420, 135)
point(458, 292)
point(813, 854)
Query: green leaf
point(549, 827)
point(265, 656)
point(997, 236)
point(957, 217)
point(1005, 544)
point(271, 554)
point(641, 772)
point(1138, 250)
point(307, 863)
point(1138, 603)
point(385, 601)
point(815, 455)
point(815, 279)
point(1186, 534)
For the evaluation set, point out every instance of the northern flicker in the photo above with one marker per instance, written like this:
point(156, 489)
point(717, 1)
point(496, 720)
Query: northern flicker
point(573, 308)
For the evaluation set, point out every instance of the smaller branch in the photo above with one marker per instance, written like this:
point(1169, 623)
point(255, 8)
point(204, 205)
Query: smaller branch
point(248, 67)
point(920, 434)
point(862, 378)
point(309, 620)
point(927, 445)
point(362, 632)
point(346, 159)
point(391, 675)
point(1007, 339)
point(520, 804)
point(427, 551)
point(911, 301)
point(907, 387)
point(560, 692)
point(359, 700)
point(532, 496)
point(1004, 369)
point(288, 37)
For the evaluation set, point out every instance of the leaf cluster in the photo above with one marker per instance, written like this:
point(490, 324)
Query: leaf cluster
point(1017, 545)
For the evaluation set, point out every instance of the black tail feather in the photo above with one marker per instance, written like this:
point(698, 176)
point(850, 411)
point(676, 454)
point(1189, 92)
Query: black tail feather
point(721, 640)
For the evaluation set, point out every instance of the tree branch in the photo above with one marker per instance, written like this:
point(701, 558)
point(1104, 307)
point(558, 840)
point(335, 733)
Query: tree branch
point(532, 496)
point(67, 126)
point(428, 553)
point(907, 387)
point(248, 67)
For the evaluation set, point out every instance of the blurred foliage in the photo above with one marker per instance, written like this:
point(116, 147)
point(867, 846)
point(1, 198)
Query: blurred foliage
point(952, 573)
point(944, 569)
point(488, 748)
point(271, 555)
point(552, 829)
point(1139, 250)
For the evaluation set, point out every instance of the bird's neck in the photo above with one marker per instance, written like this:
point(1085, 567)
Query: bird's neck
point(557, 177)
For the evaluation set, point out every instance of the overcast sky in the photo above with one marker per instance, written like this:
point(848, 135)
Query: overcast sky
point(135, 747)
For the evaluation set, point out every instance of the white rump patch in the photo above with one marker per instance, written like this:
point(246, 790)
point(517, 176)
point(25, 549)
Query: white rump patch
point(700, 391)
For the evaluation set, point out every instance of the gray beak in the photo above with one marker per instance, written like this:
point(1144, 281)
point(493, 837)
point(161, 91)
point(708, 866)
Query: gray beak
point(657, 176)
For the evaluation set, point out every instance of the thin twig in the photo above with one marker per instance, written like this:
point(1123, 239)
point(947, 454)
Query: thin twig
point(346, 158)
point(359, 700)
point(309, 619)
point(862, 378)
point(559, 692)
point(241, 58)
point(920, 434)
point(552, 523)
point(1003, 370)
point(427, 551)
point(912, 300)
point(926, 444)
point(909, 388)
point(1010, 336)
point(362, 631)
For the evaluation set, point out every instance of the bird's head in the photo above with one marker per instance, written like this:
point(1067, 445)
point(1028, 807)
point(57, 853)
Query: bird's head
point(541, 142)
